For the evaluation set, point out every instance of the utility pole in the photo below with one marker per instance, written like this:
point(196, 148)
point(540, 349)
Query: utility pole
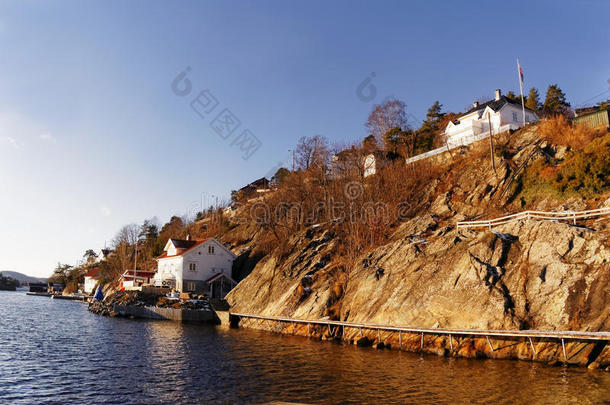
point(135, 265)
point(491, 143)
point(521, 89)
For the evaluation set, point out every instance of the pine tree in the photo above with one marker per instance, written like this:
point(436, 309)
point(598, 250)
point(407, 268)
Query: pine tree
point(434, 113)
point(369, 144)
point(511, 95)
point(555, 102)
point(533, 100)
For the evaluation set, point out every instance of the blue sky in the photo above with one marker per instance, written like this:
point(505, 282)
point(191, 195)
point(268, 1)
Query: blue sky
point(92, 136)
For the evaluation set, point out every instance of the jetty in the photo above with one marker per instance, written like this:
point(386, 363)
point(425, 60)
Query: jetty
point(337, 329)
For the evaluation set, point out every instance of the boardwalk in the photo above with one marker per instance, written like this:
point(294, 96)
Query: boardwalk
point(577, 335)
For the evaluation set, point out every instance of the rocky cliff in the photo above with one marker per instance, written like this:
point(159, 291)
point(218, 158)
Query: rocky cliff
point(523, 275)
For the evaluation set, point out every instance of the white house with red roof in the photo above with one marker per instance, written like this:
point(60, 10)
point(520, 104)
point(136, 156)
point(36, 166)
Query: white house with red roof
point(91, 279)
point(200, 266)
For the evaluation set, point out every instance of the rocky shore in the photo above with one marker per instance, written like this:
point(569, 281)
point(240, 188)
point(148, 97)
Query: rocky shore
point(137, 299)
point(537, 275)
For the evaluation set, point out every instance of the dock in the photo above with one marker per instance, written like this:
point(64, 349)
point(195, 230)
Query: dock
point(338, 328)
point(39, 294)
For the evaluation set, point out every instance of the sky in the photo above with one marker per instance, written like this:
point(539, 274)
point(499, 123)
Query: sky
point(97, 129)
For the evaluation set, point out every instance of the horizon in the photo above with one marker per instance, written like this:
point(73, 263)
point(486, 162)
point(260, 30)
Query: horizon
point(95, 134)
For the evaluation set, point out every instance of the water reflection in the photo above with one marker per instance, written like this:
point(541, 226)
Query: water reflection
point(53, 350)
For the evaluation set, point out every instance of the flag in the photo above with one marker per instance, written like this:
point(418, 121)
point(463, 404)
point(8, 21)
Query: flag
point(99, 295)
point(520, 71)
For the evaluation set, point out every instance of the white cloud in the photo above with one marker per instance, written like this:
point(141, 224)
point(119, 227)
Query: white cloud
point(47, 137)
point(11, 141)
point(16, 129)
point(105, 211)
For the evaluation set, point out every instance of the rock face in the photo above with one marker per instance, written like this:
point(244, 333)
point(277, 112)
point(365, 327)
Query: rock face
point(523, 275)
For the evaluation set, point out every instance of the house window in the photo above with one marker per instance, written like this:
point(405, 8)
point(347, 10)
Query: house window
point(190, 286)
point(515, 117)
point(210, 250)
point(192, 266)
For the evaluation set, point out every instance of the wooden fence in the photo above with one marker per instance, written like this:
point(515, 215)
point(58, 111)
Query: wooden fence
point(542, 215)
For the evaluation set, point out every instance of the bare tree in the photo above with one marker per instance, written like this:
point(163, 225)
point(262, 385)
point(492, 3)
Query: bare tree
point(124, 244)
point(312, 153)
point(383, 117)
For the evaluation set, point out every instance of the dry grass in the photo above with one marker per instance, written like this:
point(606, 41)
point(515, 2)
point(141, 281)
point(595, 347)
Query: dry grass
point(558, 130)
point(584, 172)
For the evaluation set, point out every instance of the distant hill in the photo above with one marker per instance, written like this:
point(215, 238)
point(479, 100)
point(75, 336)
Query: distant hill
point(22, 277)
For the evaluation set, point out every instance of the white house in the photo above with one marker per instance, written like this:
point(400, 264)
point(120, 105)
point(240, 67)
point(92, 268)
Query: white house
point(91, 280)
point(104, 254)
point(373, 162)
point(502, 113)
point(201, 266)
point(353, 162)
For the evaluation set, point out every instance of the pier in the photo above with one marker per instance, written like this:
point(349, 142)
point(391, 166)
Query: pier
point(337, 328)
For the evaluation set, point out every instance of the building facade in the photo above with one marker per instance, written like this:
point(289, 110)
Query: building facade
point(499, 115)
point(194, 266)
point(91, 279)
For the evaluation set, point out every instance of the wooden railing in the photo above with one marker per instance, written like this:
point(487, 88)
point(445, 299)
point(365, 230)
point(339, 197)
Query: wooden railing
point(338, 328)
point(542, 215)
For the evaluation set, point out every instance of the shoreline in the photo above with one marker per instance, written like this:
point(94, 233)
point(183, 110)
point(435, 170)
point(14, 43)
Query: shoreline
point(592, 355)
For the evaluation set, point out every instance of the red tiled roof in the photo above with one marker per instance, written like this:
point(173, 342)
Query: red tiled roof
point(94, 272)
point(140, 273)
point(180, 252)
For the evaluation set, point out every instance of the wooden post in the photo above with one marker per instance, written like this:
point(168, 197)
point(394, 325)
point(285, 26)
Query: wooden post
point(399, 339)
point(450, 343)
point(563, 345)
point(422, 341)
point(378, 336)
point(489, 343)
point(360, 328)
point(532, 345)
point(308, 330)
point(491, 144)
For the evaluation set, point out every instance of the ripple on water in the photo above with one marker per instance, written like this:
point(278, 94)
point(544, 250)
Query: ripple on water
point(56, 351)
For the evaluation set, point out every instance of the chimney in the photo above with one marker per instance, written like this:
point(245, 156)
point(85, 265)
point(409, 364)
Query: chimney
point(498, 94)
point(188, 236)
point(475, 104)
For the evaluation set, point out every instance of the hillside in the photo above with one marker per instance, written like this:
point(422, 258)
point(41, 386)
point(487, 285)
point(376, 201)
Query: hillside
point(417, 269)
point(22, 278)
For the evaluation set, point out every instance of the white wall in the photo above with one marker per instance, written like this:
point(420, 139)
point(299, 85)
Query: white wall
point(171, 251)
point(206, 263)
point(370, 166)
point(90, 283)
point(471, 125)
point(507, 115)
point(170, 268)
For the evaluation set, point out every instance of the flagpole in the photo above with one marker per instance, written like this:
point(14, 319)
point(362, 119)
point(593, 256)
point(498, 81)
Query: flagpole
point(521, 89)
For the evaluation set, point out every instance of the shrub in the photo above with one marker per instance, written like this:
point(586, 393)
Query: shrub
point(558, 130)
point(583, 171)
